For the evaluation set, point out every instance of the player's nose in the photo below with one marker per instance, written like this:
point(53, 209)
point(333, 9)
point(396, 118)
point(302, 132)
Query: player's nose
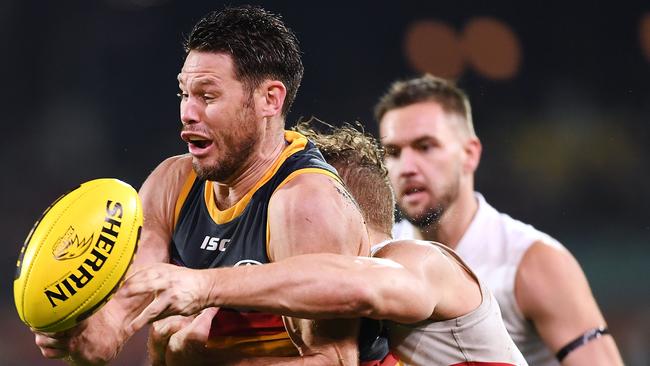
point(189, 111)
point(407, 163)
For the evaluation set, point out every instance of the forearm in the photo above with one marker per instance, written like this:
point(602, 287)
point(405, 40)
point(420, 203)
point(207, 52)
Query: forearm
point(309, 286)
point(553, 292)
point(296, 286)
point(320, 286)
point(121, 311)
point(98, 339)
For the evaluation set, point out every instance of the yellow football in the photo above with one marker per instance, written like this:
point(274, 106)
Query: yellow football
point(77, 254)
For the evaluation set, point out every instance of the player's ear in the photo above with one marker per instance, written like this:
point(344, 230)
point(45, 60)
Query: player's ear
point(272, 94)
point(472, 149)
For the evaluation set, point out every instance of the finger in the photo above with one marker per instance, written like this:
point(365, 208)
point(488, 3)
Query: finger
point(197, 332)
point(51, 347)
point(152, 312)
point(54, 353)
point(49, 342)
point(164, 328)
point(179, 341)
point(141, 283)
point(202, 323)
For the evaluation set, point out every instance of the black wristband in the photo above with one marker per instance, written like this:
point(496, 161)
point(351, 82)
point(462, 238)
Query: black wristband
point(585, 338)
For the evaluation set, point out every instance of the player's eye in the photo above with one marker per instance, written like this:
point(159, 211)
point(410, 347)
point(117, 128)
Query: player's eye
point(208, 97)
point(424, 146)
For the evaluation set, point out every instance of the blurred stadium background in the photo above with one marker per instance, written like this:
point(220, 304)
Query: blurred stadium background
point(560, 92)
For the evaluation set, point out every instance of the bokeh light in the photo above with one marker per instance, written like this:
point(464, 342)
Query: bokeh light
point(644, 35)
point(492, 48)
point(433, 47)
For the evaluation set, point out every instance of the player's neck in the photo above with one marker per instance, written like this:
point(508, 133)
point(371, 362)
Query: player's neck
point(453, 224)
point(228, 193)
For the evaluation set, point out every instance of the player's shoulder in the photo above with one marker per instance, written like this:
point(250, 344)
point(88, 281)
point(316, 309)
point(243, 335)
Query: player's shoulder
point(319, 199)
point(175, 164)
point(546, 256)
point(310, 179)
point(321, 210)
point(409, 250)
point(545, 262)
point(168, 178)
point(547, 274)
point(307, 191)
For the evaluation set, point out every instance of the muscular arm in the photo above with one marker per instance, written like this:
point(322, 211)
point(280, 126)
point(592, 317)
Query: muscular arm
point(309, 214)
point(314, 214)
point(158, 195)
point(553, 292)
point(323, 286)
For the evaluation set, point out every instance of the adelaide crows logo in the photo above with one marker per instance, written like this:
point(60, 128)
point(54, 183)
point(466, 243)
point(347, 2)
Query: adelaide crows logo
point(69, 246)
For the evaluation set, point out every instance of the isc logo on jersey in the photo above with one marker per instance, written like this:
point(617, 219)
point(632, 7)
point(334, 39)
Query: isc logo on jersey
point(212, 243)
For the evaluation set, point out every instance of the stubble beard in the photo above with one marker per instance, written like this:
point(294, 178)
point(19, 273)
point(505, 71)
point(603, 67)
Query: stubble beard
point(431, 216)
point(237, 149)
point(429, 219)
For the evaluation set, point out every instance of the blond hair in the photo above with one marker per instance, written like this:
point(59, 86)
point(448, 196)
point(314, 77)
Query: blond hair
point(358, 158)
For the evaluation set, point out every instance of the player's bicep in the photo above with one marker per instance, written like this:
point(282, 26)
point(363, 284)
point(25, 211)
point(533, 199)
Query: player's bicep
point(403, 284)
point(314, 214)
point(158, 194)
point(552, 290)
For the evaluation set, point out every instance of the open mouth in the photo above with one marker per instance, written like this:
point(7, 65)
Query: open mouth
point(198, 142)
point(412, 191)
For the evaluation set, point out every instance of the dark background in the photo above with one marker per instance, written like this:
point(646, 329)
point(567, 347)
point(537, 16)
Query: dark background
point(91, 90)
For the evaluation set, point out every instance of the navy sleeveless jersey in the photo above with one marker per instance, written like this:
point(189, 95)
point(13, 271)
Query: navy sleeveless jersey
point(206, 237)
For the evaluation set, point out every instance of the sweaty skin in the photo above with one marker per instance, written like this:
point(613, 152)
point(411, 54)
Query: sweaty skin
point(217, 112)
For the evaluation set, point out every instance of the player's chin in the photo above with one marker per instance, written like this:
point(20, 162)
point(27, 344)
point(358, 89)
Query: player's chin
point(413, 210)
point(415, 214)
point(203, 167)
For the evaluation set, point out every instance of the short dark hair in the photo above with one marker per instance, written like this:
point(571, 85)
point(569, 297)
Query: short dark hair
point(423, 89)
point(261, 46)
point(359, 160)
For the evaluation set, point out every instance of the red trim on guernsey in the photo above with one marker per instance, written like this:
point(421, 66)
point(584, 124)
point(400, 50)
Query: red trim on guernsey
point(478, 363)
point(389, 360)
point(229, 322)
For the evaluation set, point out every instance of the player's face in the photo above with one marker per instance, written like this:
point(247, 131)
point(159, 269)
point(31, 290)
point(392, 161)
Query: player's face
point(424, 155)
point(220, 125)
